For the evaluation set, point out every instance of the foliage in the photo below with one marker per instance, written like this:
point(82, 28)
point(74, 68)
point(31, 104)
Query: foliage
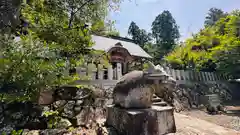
point(162, 39)
point(18, 132)
point(110, 29)
point(213, 16)
point(139, 36)
point(14, 132)
point(165, 32)
point(9, 13)
point(23, 69)
point(113, 33)
point(53, 118)
point(214, 48)
point(56, 38)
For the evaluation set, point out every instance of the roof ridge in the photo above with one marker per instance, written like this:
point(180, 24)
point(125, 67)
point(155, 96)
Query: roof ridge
point(118, 38)
point(104, 43)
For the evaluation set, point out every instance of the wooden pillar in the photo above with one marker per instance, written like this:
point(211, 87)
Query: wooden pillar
point(142, 64)
point(125, 66)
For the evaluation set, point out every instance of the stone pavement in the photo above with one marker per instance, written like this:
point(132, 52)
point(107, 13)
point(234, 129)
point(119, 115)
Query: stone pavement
point(187, 125)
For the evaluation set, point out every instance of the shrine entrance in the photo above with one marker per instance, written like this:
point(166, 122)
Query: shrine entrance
point(119, 58)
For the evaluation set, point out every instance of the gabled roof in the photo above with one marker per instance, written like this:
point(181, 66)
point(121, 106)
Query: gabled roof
point(104, 44)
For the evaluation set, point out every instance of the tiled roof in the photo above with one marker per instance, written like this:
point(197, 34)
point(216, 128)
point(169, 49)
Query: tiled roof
point(104, 43)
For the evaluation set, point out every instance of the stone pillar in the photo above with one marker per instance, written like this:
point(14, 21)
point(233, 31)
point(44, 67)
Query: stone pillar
point(81, 71)
point(214, 76)
point(119, 71)
point(168, 70)
point(156, 120)
point(198, 76)
point(66, 72)
point(209, 76)
point(182, 75)
point(194, 75)
point(172, 71)
point(92, 70)
point(178, 74)
point(205, 78)
point(100, 74)
point(191, 75)
point(217, 77)
point(110, 72)
point(187, 75)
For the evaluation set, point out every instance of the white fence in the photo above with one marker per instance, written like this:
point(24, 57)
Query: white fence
point(99, 73)
point(189, 75)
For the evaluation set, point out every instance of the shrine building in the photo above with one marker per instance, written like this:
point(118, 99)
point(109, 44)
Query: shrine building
point(122, 52)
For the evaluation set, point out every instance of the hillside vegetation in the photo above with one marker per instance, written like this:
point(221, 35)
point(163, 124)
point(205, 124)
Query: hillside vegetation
point(216, 47)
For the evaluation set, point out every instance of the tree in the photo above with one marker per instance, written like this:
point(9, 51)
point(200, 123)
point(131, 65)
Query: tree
point(139, 36)
point(213, 16)
point(28, 66)
point(165, 32)
point(113, 33)
point(9, 13)
point(58, 38)
point(133, 30)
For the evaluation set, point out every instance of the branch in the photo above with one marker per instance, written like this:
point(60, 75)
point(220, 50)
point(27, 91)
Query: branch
point(84, 4)
point(71, 18)
point(74, 12)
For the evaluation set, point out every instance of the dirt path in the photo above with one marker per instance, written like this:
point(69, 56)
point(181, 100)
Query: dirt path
point(187, 125)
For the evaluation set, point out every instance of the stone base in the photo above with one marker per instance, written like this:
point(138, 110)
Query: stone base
point(156, 120)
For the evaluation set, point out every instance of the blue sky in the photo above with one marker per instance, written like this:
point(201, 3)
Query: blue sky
point(189, 14)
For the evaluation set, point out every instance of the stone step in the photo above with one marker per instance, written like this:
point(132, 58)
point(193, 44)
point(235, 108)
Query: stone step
point(155, 96)
point(236, 112)
point(160, 103)
point(156, 99)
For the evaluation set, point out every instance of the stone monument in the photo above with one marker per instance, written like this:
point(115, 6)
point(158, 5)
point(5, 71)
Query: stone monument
point(132, 112)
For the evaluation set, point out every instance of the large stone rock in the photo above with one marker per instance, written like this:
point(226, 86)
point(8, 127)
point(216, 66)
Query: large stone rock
point(69, 109)
point(46, 98)
point(7, 129)
point(63, 123)
point(53, 132)
point(21, 115)
point(152, 121)
point(133, 91)
point(89, 115)
point(32, 132)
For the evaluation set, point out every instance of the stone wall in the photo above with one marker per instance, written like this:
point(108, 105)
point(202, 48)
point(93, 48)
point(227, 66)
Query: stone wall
point(18, 115)
point(192, 94)
point(75, 107)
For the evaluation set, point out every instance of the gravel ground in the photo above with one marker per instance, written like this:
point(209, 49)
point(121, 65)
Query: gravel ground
point(190, 125)
point(227, 121)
